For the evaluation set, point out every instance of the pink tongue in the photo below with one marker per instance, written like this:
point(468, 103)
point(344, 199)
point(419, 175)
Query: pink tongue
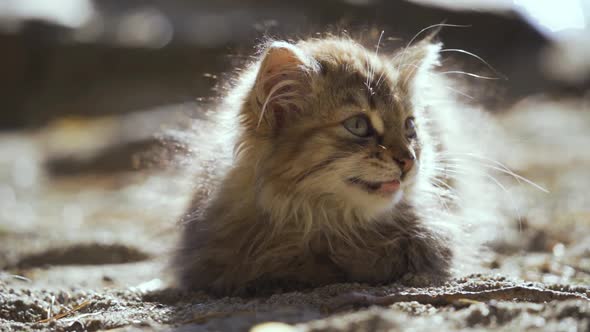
point(390, 186)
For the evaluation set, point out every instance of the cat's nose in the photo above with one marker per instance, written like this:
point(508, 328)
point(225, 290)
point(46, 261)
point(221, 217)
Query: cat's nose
point(406, 162)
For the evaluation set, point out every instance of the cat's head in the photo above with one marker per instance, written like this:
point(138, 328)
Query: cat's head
point(332, 120)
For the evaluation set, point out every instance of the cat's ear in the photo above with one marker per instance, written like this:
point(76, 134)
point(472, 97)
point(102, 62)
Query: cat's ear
point(417, 60)
point(282, 82)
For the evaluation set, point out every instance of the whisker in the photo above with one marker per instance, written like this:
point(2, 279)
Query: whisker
point(416, 67)
point(474, 155)
point(435, 26)
point(451, 191)
point(458, 91)
point(377, 54)
point(368, 69)
point(452, 89)
point(455, 169)
point(379, 42)
point(458, 171)
point(379, 80)
point(478, 58)
point(441, 182)
point(440, 25)
point(468, 74)
point(444, 86)
point(496, 181)
point(502, 168)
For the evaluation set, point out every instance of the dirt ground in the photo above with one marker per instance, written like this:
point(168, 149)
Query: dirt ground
point(84, 241)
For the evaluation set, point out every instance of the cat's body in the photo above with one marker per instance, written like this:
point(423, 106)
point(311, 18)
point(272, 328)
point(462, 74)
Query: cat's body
point(338, 173)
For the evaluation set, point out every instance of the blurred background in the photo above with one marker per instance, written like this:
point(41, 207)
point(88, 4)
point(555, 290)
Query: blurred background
point(87, 86)
point(95, 58)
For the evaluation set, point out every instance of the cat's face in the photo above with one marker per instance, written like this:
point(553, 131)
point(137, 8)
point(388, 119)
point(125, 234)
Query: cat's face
point(342, 125)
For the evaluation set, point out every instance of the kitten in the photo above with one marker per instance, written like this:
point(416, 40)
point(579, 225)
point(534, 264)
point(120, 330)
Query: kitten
point(344, 169)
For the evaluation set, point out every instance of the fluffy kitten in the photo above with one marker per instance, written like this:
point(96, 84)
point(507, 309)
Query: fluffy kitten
point(343, 169)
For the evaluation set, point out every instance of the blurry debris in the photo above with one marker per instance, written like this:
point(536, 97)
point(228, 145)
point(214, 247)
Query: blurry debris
point(148, 286)
point(476, 5)
point(68, 13)
point(568, 58)
point(551, 17)
point(558, 250)
point(546, 133)
point(91, 31)
point(547, 16)
point(70, 135)
point(7, 196)
point(468, 301)
point(25, 172)
point(539, 240)
point(495, 264)
point(78, 146)
point(21, 278)
point(273, 327)
point(84, 254)
point(19, 167)
point(118, 158)
point(145, 27)
point(17, 216)
point(581, 249)
point(266, 25)
point(567, 272)
point(73, 215)
point(580, 269)
point(555, 272)
point(19, 171)
point(211, 29)
point(528, 238)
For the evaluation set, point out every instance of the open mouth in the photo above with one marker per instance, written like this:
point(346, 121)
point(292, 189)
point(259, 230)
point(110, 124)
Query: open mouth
point(389, 186)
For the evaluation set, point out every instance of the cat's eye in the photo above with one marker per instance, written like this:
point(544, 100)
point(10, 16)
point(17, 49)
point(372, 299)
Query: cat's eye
point(410, 128)
point(358, 125)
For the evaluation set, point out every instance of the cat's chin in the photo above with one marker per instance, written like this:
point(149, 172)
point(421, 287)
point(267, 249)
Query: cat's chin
point(375, 199)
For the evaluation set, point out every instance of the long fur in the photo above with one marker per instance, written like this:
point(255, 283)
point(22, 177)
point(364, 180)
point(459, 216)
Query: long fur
point(278, 208)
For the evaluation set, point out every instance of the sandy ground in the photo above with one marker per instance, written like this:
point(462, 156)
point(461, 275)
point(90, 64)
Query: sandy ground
point(84, 247)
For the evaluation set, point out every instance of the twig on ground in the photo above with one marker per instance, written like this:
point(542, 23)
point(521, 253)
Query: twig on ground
point(67, 313)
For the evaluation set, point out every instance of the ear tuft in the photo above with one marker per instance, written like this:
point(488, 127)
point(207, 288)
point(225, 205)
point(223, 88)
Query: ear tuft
point(417, 59)
point(282, 82)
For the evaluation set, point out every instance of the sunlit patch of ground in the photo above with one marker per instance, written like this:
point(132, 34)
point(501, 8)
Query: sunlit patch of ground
point(87, 249)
